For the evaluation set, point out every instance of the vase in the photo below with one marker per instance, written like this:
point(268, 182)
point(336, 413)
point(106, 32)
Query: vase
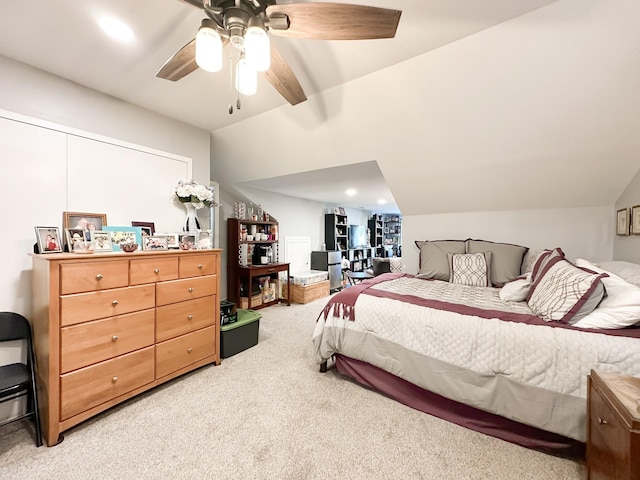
point(191, 223)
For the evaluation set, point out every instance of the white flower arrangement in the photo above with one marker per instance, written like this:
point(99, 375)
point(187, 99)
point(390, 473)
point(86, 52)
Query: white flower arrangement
point(192, 192)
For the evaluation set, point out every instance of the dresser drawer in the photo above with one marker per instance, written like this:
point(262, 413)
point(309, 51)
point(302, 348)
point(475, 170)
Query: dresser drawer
point(92, 342)
point(90, 276)
point(182, 351)
point(90, 386)
point(198, 265)
point(186, 289)
point(82, 307)
point(184, 317)
point(150, 270)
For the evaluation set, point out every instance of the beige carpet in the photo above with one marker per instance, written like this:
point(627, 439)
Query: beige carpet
point(267, 413)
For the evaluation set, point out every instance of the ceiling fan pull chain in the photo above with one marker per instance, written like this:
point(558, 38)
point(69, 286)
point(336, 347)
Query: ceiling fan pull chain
point(230, 85)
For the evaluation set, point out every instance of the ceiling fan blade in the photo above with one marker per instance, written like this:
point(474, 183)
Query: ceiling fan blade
point(283, 79)
point(181, 64)
point(336, 21)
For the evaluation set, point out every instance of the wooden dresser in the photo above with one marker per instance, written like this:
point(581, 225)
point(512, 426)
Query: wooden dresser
point(108, 326)
point(613, 432)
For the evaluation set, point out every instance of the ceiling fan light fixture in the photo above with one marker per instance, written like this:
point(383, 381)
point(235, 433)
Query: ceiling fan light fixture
point(257, 48)
point(246, 77)
point(208, 48)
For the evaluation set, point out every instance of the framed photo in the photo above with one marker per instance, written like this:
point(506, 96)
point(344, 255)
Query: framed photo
point(635, 220)
point(341, 210)
point(203, 239)
point(101, 241)
point(48, 239)
point(73, 235)
point(187, 242)
point(173, 239)
point(154, 242)
point(123, 234)
point(148, 228)
point(84, 221)
point(622, 222)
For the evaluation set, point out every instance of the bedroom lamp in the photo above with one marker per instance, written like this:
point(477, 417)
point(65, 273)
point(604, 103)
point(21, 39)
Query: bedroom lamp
point(208, 47)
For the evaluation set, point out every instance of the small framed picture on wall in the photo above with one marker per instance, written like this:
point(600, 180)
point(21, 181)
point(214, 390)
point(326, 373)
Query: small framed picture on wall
point(635, 220)
point(622, 222)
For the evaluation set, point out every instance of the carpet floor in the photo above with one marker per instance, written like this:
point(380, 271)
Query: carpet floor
point(267, 413)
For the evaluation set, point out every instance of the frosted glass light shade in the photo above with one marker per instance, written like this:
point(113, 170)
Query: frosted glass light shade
point(208, 49)
point(257, 48)
point(246, 77)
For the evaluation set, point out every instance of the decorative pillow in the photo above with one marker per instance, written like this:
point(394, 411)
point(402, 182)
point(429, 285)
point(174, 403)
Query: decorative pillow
point(531, 258)
point(471, 269)
point(544, 259)
point(506, 259)
point(385, 265)
point(516, 290)
point(433, 257)
point(620, 308)
point(562, 289)
point(396, 264)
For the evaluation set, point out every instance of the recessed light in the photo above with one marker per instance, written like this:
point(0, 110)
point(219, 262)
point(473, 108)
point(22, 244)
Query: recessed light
point(382, 201)
point(116, 29)
point(351, 192)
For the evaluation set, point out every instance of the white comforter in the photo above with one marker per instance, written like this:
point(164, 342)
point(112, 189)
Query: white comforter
point(533, 374)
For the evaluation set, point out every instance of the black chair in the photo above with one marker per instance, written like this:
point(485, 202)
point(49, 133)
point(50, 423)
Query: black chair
point(18, 379)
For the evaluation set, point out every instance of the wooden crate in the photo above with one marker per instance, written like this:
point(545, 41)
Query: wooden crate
point(256, 301)
point(308, 293)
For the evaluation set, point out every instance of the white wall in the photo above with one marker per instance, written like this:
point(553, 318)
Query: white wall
point(38, 173)
point(580, 232)
point(628, 247)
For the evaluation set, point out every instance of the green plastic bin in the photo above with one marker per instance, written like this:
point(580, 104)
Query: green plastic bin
point(240, 335)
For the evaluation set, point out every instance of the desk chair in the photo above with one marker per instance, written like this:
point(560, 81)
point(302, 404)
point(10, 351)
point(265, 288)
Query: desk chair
point(18, 379)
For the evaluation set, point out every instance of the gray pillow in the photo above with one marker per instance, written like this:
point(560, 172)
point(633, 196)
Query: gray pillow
point(506, 259)
point(433, 257)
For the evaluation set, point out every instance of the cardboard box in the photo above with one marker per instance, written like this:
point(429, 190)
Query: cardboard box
point(307, 293)
point(256, 301)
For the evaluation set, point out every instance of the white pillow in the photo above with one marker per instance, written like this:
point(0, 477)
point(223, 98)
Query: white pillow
point(620, 307)
point(516, 290)
point(629, 272)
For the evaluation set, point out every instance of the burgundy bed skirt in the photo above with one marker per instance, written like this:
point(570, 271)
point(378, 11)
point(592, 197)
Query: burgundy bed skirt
point(458, 413)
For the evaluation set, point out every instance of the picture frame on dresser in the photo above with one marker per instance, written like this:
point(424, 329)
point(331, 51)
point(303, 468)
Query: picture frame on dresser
point(622, 222)
point(84, 221)
point(101, 241)
point(173, 239)
point(73, 235)
point(123, 234)
point(154, 242)
point(148, 228)
point(48, 239)
point(635, 220)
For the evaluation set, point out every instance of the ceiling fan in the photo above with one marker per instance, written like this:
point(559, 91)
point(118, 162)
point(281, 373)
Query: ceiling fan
point(245, 23)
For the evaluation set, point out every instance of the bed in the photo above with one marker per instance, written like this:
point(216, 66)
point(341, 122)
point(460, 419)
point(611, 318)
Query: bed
point(494, 357)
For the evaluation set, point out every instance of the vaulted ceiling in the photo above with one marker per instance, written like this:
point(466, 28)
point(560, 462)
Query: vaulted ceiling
point(475, 105)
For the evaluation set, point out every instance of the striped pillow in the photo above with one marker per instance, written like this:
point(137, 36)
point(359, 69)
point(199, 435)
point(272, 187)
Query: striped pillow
point(561, 290)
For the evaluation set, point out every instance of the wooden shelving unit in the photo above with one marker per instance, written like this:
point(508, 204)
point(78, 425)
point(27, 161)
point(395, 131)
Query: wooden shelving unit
point(244, 269)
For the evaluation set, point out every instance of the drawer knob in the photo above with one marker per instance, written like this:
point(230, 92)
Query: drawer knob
point(99, 276)
point(190, 289)
point(114, 303)
point(189, 317)
point(189, 350)
point(200, 266)
point(114, 338)
point(114, 379)
point(157, 271)
point(602, 421)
